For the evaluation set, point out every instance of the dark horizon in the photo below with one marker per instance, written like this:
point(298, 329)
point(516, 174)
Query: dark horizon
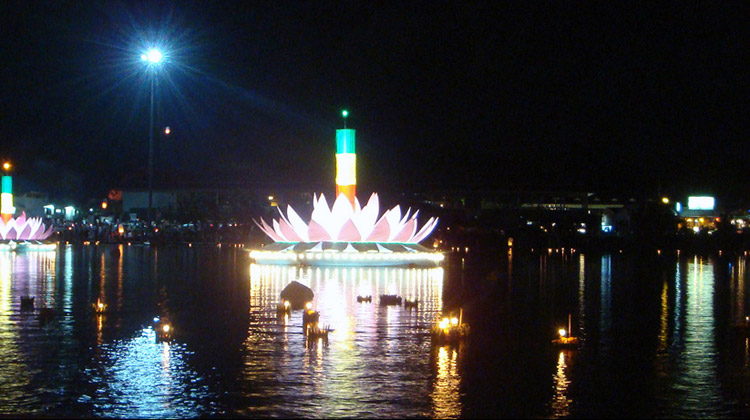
point(626, 96)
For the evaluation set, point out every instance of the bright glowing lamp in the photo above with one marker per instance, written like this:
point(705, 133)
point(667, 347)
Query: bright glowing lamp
point(444, 323)
point(153, 56)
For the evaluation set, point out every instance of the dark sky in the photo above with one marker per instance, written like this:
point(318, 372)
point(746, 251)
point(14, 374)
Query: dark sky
point(442, 94)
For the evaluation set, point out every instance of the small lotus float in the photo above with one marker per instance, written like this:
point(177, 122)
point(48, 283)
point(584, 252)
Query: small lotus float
point(24, 229)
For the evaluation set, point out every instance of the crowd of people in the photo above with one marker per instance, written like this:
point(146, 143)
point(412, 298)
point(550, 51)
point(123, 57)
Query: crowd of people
point(164, 231)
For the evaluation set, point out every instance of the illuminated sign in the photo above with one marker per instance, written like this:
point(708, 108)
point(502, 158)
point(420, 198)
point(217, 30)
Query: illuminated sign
point(700, 203)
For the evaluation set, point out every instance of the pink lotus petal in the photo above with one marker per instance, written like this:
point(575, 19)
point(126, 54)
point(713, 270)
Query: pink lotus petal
point(380, 232)
point(317, 233)
point(349, 232)
point(268, 230)
point(12, 234)
point(425, 231)
point(25, 232)
point(407, 232)
point(287, 231)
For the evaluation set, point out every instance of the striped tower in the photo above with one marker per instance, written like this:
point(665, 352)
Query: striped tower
point(346, 164)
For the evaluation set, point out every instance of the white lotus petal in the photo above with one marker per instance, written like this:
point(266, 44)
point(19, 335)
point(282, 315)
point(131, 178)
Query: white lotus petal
point(365, 219)
point(322, 216)
point(297, 223)
point(277, 229)
point(394, 217)
point(406, 217)
point(34, 226)
point(425, 231)
point(340, 213)
point(321, 213)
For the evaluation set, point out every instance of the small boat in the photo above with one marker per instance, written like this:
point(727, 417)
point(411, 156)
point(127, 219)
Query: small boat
point(309, 316)
point(27, 303)
point(390, 300)
point(163, 329)
point(367, 298)
point(450, 330)
point(565, 340)
point(409, 304)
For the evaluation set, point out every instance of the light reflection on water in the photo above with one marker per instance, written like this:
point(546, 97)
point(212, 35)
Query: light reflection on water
point(376, 359)
point(656, 338)
point(144, 378)
point(560, 403)
point(446, 394)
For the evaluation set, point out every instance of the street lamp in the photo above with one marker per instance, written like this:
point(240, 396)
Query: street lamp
point(153, 58)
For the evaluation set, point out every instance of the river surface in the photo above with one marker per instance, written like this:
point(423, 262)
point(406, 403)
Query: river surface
point(657, 332)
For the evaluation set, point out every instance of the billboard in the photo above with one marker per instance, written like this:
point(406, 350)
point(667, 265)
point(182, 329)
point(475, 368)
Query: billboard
point(700, 203)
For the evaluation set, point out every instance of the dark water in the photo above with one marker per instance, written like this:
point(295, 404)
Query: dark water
point(656, 331)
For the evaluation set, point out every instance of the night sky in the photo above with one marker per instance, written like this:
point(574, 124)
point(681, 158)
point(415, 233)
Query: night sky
point(623, 96)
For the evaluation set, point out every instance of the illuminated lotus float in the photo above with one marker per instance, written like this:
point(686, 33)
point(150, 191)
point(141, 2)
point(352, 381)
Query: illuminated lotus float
point(348, 234)
point(23, 232)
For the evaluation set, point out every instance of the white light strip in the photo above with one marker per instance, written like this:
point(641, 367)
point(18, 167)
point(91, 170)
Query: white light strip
point(334, 257)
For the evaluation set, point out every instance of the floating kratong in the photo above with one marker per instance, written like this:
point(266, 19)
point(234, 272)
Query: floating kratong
point(284, 307)
point(309, 316)
point(99, 307)
point(566, 340)
point(450, 330)
point(314, 331)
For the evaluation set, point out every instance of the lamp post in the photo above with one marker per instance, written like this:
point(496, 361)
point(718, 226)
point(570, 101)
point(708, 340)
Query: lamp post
point(153, 58)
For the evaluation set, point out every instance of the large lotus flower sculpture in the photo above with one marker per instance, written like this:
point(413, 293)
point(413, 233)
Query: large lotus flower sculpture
point(347, 222)
point(23, 229)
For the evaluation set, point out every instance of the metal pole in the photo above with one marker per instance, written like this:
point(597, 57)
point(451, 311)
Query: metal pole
point(151, 153)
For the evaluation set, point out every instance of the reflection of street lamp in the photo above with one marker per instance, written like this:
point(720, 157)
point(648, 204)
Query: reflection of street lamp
point(153, 58)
